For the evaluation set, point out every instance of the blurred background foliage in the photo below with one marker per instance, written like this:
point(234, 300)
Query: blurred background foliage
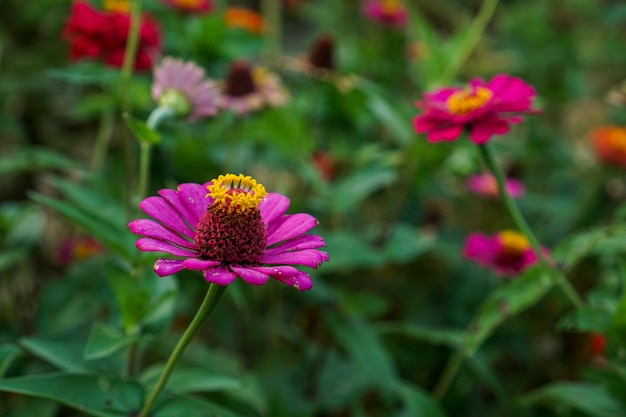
point(374, 335)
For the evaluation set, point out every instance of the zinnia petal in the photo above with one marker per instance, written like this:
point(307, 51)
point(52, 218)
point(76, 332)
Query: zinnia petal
point(299, 243)
point(199, 264)
point(152, 229)
point(165, 266)
point(220, 276)
point(274, 206)
point(308, 257)
point(153, 245)
point(160, 210)
point(251, 276)
point(290, 226)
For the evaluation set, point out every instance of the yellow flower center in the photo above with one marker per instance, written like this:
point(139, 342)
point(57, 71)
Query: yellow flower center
point(617, 140)
point(513, 242)
point(120, 6)
point(390, 6)
point(236, 192)
point(188, 4)
point(466, 101)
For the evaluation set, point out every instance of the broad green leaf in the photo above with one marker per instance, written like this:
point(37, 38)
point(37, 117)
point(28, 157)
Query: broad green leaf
point(189, 379)
point(105, 340)
point(586, 319)
point(591, 399)
point(39, 407)
point(416, 402)
point(93, 395)
point(85, 73)
point(513, 298)
point(30, 159)
point(67, 356)
point(355, 188)
point(141, 131)
point(132, 300)
point(576, 247)
point(350, 251)
point(394, 121)
point(434, 61)
point(406, 243)
point(452, 338)
point(187, 406)
point(8, 353)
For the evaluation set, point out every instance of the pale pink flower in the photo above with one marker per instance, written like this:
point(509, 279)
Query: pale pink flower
point(486, 185)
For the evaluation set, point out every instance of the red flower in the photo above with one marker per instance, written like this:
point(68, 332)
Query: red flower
point(598, 344)
point(610, 144)
point(483, 108)
point(102, 35)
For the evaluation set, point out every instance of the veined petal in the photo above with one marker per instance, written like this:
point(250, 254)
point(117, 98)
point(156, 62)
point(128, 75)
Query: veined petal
point(274, 206)
point(298, 243)
point(302, 281)
point(194, 197)
point(166, 266)
point(250, 275)
point(290, 226)
point(308, 257)
point(220, 275)
point(155, 230)
point(161, 211)
point(195, 264)
point(173, 199)
point(147, 244)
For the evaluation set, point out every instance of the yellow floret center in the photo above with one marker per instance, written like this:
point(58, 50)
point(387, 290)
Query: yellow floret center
point(513, 242)
point(120, 6)
point(466, 101)
point(390, 6)
point(190, 4)
point(617, 139)
point(236, 192)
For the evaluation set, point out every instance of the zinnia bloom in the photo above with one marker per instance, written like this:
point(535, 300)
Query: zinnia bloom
point(102, 35)
point(183, 87)
point(248, 89)
point(387, 12)
point(487, 186)
point(191, 6)
point(229, 227)
point(508, 252)
point(610, 144)
point(246, 19)
point(485, 109)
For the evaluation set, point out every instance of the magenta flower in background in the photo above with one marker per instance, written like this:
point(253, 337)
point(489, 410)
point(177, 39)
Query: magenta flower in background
point(508, 253)
point(183, 87)
point(484, 109)
point(229, 227)
point(486, 185)
point(387, 12)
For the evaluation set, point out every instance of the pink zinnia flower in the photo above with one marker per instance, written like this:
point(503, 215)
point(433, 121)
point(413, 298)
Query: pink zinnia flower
point(229, 227)
point(485, 109)
point(486, 185)
point(183, 87)
point(191, 6)
point(508, 252)
point(250, 88)
point(387, 12)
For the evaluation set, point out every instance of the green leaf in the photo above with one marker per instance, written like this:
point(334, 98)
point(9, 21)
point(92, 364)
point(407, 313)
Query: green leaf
point(141, 131)
point(406, 243)
point(452, 338)
point(105, 340)
point(416, 402)
point(360, 185)
point(396, 123)
point(513, 298)
point(93, 395)
point(350, 250)
point(586, 319)
point(31, 159)
point(182, 405)
point(8, 353)
point(576, 247)
point(10, 257)
point(188, 379)
point(85, 73)
point(591, 399)
point(33, 407)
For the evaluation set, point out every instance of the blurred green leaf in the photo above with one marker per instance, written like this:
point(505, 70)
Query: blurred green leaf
point(141, 131)
point(39, 407)
point(32, 159)
point(188, 379)
point(11, 257)
point(406, 243)
point(105, 340)
point(348, 250)
point(85, 73)
point(182, 405)
point(516, 296)
point(360, 185)
point(576, 247)
point(452, 338)
point(8, 353)
point(416, 402)
point(93, 395)
point(586, 319)
point(132, 300)
point(591, 399)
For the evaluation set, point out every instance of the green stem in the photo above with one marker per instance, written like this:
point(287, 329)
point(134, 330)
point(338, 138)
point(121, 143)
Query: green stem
point(103, 138)
point(206, 308)
point(470, 40)
point(145, 149)
point(452, 367)
point(271, 10)
point(490, 160)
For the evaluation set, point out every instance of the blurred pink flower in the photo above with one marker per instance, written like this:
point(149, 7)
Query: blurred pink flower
point(80, 248)
point(485, 109)
point(183, 87)
point(508, 253)
point(191, 6)
point(229, 227)
point(250, 88)
point(486, 185)
point(387, 12)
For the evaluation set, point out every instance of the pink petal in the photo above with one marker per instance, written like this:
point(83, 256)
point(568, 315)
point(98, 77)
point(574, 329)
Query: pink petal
point(481, 248)
point(165, 266)
point(220, 276)
point(289, 226)
point(173, 199)
point(195, 264)
point(160, 210)
point(273, 206)
point(299, 243)
point(481, 132)
point(152, 229)
point(302, 281)
point(447, 133)
point(147, 244)
point(194, 198)
point(251, 276)
point(308, 257)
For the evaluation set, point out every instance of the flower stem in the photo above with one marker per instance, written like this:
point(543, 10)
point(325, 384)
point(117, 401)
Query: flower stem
point(145, 149)
point(490, 160)
point(471, 38)
point(271, 14)
point(103, 138)
point(206, 308)
point(452, 367)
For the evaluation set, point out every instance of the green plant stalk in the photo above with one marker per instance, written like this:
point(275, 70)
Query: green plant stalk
point(470, 40)
point(490, 160)
point(206, 308)
point(452, 367)
point(103, 138)
point(271, 11)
